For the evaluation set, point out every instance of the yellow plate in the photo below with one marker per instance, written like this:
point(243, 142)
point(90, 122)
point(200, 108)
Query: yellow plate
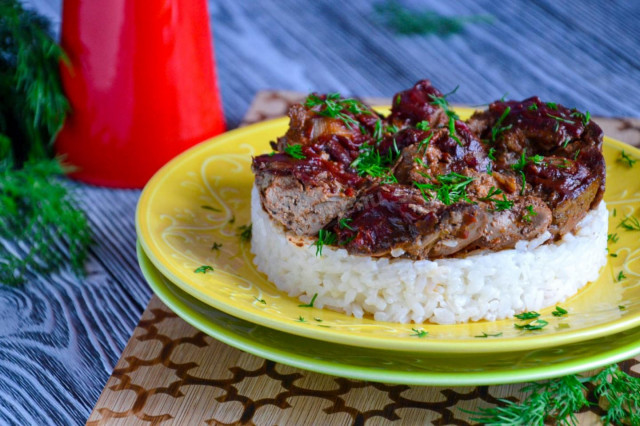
point(202, 197)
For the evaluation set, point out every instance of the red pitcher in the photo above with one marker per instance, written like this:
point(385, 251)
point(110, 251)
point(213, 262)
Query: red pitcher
point(141, 83)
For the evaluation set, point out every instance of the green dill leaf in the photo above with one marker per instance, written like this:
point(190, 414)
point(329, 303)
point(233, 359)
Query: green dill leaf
point(622, 307)
point(621, 276)
point(527, 315)
point(485, 335)
point(301, 319)
point(500, 205)
point(533, 107)
point(310, 304)
point(529, 214)
point(419, 333)
point(566, 142)
point(203, 269)
point(626, 158)
point(244, 232)
point(622, 393)
point(405, 21)
point(613, 255)
point(491, 154)
point(560, 119)
point(452, 131)
point(535, 325)
point(552, 105)
point(264, 302)
point(497, 128)
point(630, 223)
point(344, 223)
point(295, 151)
point(423, 125)
point(324, 238)
point(613, 238)
point(424, 143)
point(558, 312)
point(213, 209)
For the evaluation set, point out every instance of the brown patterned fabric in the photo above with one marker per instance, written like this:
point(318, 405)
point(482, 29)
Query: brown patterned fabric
point(171, 373)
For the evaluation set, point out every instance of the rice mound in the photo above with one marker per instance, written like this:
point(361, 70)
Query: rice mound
point(488, 285)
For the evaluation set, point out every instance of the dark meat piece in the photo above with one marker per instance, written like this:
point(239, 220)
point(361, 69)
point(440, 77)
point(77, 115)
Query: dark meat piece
point(304, 195)
point(308, 124)
point(396, 218)
point(527, 219)
point(569, 188)
point(417, 104)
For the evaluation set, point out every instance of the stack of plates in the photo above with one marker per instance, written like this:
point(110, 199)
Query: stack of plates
point(192, 214)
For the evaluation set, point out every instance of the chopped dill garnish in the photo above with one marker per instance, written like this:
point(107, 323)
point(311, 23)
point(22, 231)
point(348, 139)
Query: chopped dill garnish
point(485, 335)
point(630, 223)
point(301, 319)
point(203, 269)
point(559, 312)
point(295, 151)
point(264, 302)
point(216, 246)
point(613, 255)
point(369, 162)
point(527, 315)
point(522, 162)
point(391, 129)
point(621, 276)
point(244, 232)
point(317, 319)
point(560, 120)
point(535, 325)
point(334, 106)
point(344, 223)
point(450, 189)
point(624, 157)
point(500, 205)
point(586, 117)
point(424, 143)
point(213, 209)
point(324, 237)
point(533, 107)
point(310, 304)
point(613, 238)
point(423, 125)
point(622, 307)
point(529, 214)
point(497, 128)
point(419, 332)
point(491, 154)
point(566, 142)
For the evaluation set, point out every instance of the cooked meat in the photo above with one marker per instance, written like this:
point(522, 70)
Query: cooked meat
point(558, 151)
point(396, 220)
point(304, 195)
point(422, 183)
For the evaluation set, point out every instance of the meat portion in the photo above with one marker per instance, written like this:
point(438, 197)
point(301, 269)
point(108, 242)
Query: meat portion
point(423, 184)
point(304, 195)
point(396, 219)
point(555, 151)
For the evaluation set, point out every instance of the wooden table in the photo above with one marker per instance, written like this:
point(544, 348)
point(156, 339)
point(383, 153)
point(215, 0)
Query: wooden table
point(62, 336)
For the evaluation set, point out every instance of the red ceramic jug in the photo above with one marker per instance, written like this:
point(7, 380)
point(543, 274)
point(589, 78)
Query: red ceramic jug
point(141, 83)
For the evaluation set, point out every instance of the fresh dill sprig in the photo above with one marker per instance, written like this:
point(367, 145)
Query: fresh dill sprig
point(295, 151)
point(420, 333)
point(310, 304)
point(529, 214)
point(344, 223)
point(334, 106)
point(244, 232)
point(500, 205)
point(497, 127)
point(203, 269)
point(630, 223)
point(39, 218)
point(450, 188)
point(370, 163)
point(626, 158)
point(324, 238)
point(411, 22)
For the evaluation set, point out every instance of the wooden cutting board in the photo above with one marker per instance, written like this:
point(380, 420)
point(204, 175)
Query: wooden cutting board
point(171, 373)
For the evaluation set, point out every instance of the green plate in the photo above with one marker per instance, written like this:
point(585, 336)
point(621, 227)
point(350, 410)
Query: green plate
point(414, 368)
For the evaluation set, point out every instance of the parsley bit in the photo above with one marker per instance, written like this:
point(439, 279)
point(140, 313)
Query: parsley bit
point(419, 333)
point(535, 325)
point(485, 335)
point(216, 246)
point(324, 237)
point(260, 300)
point(630, 223)
point(310, 304)
point(245, 232)
point(213, 209)
point(621, 276)
point(203, 269)
point(624, 157)
point(559, 312)
point(527, 315)
point(295, 151)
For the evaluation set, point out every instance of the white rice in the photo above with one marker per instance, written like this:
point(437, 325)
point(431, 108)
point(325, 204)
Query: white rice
point(490, 285)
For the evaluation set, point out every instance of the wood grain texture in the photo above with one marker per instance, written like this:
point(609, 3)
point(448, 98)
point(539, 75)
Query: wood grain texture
point(60, 336)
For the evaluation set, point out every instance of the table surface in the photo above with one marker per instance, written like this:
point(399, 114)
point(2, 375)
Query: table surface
point(62, 335)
